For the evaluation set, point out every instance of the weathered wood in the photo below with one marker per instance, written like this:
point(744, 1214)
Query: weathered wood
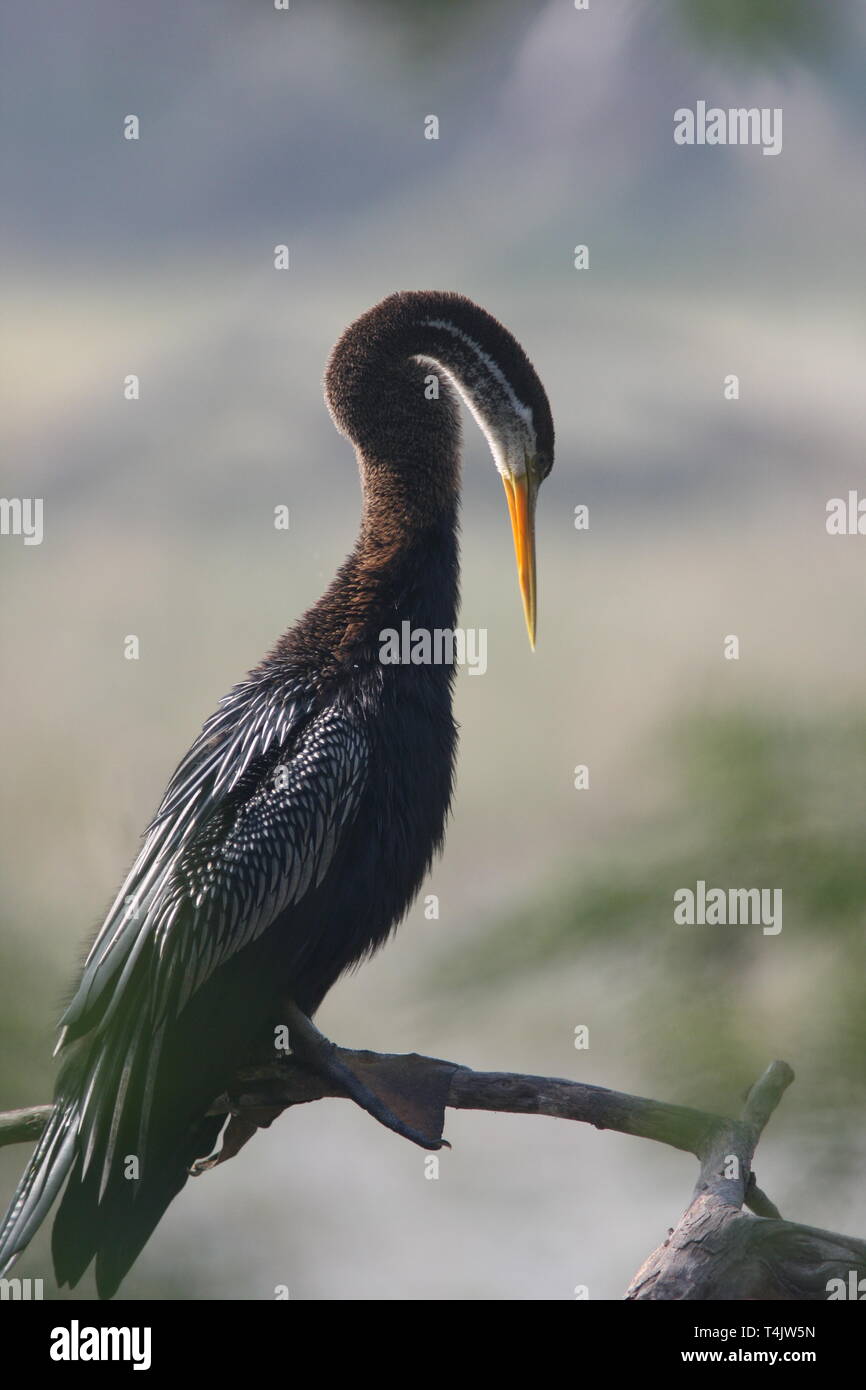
point(717, 1252)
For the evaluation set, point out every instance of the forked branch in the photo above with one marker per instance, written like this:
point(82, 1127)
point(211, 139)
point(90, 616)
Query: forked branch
point(716, 1251)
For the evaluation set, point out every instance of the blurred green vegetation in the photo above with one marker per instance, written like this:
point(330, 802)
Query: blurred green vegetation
point(763, 802)
point(760, 29)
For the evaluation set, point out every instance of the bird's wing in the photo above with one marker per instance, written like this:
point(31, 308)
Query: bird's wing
point(250, 820)
point(250, 823)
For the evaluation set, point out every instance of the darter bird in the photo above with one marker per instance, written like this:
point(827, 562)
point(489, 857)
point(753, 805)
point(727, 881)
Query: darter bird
point(298, 828)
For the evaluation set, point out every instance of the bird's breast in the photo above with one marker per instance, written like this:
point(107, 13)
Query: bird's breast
point(399, 824)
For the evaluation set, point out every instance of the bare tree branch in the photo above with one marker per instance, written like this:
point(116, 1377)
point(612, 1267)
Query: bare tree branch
point(715, 1252)
point(23, 1126)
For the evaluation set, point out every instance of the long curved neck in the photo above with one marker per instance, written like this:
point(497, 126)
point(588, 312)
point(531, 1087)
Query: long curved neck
point(389, 386)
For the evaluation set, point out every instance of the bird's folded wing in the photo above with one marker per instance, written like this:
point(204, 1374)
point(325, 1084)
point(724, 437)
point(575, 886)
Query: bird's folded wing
point(250, 821)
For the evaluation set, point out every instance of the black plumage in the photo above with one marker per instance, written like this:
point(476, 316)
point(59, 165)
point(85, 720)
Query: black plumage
point(297, 830)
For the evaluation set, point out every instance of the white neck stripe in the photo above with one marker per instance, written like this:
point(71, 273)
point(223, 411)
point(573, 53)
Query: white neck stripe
point(493, 367)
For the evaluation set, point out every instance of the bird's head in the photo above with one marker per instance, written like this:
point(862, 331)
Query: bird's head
point(502, 389)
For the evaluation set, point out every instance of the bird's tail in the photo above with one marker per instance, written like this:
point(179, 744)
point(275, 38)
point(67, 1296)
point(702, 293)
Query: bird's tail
point(42, 1180)
point(101, 1215)
point(97, 1127)
point(131, 1116)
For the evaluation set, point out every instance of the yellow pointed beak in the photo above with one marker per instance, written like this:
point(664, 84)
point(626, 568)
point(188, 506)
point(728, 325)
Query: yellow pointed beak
point(521, 492)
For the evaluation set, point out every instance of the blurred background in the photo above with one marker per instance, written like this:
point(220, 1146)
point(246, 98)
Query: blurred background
point(707, 518)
